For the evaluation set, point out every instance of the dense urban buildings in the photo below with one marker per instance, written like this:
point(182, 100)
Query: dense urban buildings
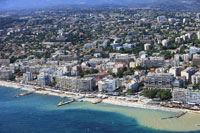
point(123, 51)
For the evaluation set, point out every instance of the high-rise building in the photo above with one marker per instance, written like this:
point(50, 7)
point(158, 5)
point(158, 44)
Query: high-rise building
point(165, 42)
point(196, 78)
point(147, 46)
point(198, 35)
point(43, 79)
point(5, 74)
point(187, 73)
point(27, 76)
point(198, 16)
point(186, 96)
point(108, 85)
point(161, 19)
point(159, 80)
point(85, 84)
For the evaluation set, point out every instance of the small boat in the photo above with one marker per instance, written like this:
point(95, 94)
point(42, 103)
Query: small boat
point(104, 97)
point(90, 96)
point(80, 97)
point(97, 101)
point(79, 100)
point(63, 103)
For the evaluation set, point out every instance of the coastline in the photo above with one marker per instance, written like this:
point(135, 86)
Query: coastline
point(146, 115)
point(110, 100)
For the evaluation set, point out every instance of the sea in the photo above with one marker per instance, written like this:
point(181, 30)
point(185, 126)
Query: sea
point(39, 114)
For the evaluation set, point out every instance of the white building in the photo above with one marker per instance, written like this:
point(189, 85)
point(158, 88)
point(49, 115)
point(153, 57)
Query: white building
point(188, 72)
point(133, 84)
point(198, 35)
point(185, 20)
point(174, 71)
point(186, 96)
point(147, 46)
point(186, 57)
point(161, 19)
point(27, 76)
point(108, 85)
point(165, 42)
point(194, 50)
point(43, 79)
point(5, 74)
point(196, 78)
point(198, 16)
point(172, 20)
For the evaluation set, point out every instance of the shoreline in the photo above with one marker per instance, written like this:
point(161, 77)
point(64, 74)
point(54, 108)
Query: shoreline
point(110, 100)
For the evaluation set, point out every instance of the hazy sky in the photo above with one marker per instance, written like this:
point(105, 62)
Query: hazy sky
point(28, 4)
point(21, 4)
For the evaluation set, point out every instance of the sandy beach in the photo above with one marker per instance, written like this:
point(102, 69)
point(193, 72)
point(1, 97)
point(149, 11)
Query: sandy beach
point(110, 100)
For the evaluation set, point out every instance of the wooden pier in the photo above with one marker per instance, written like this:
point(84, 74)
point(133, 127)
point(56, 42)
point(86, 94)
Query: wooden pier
point(24, 94)
point(176, 116)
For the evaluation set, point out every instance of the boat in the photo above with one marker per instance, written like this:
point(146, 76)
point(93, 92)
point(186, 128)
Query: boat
point(63, 103)
point(97, 101)
point(90, 96)
point(79, 100)
point(104, 97)
point(80, 97)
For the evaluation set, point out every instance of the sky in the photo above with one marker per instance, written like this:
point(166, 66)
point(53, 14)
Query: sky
point(31, 4)
point(35, 4)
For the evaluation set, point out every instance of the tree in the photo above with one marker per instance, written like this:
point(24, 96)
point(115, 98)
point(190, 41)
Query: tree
point(53, 83)
point(86, 72)
point(13, 59)
point(120, 74)
point(164, 94)
point(167, 54)
point(95, 71)
point(81, 74)
point(151, 93)
point(157, 93)
point(132, 91)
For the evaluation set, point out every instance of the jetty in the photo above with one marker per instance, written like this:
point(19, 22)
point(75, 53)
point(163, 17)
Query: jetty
point(64, 103)
point(176, 116)
point(24, 94)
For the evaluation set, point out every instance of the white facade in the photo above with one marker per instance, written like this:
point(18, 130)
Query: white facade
point(198, 16)
point(108, 85)
point(185, 20)
point(198, 35)
point(132, 85)
point(196, 78)
point(161, 19)
point(165, 42)
point(43, 79)
point(172, 20)
point(147, 46)
point(27, 76)
point(188, 72)
point(173, 71)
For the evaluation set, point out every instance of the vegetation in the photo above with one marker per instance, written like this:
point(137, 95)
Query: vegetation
point(167, 54)
point(53, 83)
point(157, 93)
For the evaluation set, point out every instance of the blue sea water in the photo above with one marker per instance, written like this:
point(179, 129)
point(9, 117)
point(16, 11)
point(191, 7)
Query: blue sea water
point(28, 114)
